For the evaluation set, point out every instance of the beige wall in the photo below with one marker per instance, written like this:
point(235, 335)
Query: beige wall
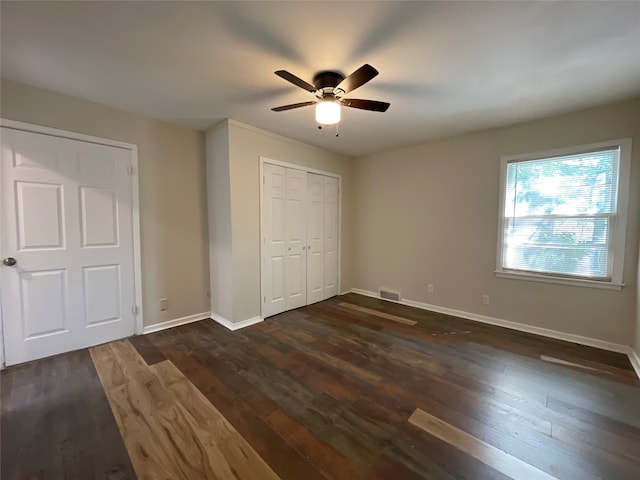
point(172, 191)
point(636, 342)
point(246, 145)
point(429, 214)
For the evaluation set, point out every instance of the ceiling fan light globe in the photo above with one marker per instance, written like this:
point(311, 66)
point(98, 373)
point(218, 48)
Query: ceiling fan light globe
point(328, 113)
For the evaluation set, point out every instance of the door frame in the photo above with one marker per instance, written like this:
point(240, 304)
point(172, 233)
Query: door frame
point(135, 207)
point(279, 163)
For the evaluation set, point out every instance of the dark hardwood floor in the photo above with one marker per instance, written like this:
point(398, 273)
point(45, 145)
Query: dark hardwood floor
point(350, 388)
point(56, 423)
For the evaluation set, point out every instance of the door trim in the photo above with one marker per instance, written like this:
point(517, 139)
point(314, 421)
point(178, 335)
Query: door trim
point(135, 196)
point(279, 163)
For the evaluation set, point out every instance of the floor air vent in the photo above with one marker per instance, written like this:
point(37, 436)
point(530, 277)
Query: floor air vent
point(390, 294)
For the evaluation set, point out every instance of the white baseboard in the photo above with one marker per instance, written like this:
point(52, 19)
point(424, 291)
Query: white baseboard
point(235, 325)
point(367, 293)
point(545, 332)
point(634, 358)
point(156, 327)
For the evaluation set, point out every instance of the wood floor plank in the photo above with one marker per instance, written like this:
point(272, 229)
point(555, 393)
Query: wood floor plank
point(170, 429)
point(335, 383)
point(377, 313)
point(59, 424)
point(285, 460)
point(389, 468)
point(150, 450)
point(346, 367)
point(146, 349)
point(486, 453)
point(227, 454)
point(329, 462)
point(6, 385)
point(100, 428)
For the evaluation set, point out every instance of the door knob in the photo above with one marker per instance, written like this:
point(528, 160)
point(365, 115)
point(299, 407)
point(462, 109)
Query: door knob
point(9, 261)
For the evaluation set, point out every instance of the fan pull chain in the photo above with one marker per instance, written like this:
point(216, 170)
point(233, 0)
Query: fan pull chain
point(337, 129)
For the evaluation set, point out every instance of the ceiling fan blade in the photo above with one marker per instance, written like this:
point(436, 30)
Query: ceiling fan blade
point(356, 79)
point(290, 77)
point(293, 105)
point(365, 104)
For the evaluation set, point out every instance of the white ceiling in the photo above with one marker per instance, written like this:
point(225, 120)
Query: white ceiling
point(445, 67)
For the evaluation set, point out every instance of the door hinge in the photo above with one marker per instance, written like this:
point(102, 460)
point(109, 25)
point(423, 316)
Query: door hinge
point(263, 180)
point(264, 299)
point(134, 309)
point(130, 170)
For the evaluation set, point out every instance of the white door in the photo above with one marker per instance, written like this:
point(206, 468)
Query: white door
point(330, 237)
point(67, 224)
point(296, 239)
point(299, 254)
point(315, 238)
point(274, 191)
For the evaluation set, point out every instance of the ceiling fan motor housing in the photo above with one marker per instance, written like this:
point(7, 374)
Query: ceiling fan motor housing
point(327, 80)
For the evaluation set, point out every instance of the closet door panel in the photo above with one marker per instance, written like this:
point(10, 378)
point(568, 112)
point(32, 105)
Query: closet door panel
point(274, 257)
point(296, 239)
point(330, 231)
point(315, 238)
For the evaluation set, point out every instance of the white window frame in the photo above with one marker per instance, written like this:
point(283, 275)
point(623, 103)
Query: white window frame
point(619, 225)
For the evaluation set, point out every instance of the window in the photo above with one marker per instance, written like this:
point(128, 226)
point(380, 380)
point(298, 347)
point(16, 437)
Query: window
point(563, 215)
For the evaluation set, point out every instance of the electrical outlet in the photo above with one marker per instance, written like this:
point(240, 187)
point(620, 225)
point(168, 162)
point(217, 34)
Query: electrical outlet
point(430, 288)
point(485, 299)
point(164, 304)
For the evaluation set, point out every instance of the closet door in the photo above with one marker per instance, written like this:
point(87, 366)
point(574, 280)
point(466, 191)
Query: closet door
point(330, 232)
point(315, 238)
point(300, 238)
point(274, 244)
point(296, 239)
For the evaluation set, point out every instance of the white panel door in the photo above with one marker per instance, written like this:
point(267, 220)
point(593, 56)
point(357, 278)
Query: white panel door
point(296, 239)
point(330, 237)
point(315, 238)
point(274, 192)
point(67, 222)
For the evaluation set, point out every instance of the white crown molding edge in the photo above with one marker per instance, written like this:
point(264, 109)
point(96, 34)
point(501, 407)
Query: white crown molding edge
point(522, 327)
point(235, 325)
point(176, 322)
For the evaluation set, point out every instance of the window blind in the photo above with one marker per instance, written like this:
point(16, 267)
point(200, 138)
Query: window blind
point(559, 213)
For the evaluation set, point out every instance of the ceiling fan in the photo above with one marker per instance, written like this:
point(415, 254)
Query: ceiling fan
point(329, 88)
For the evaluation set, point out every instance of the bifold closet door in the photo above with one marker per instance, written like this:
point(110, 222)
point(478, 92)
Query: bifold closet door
point(300, 238)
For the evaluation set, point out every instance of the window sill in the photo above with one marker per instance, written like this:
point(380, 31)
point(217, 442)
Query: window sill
point(575, 282)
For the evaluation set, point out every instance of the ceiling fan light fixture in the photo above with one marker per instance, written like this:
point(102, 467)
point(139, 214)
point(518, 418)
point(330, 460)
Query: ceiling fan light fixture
point(327, 112)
